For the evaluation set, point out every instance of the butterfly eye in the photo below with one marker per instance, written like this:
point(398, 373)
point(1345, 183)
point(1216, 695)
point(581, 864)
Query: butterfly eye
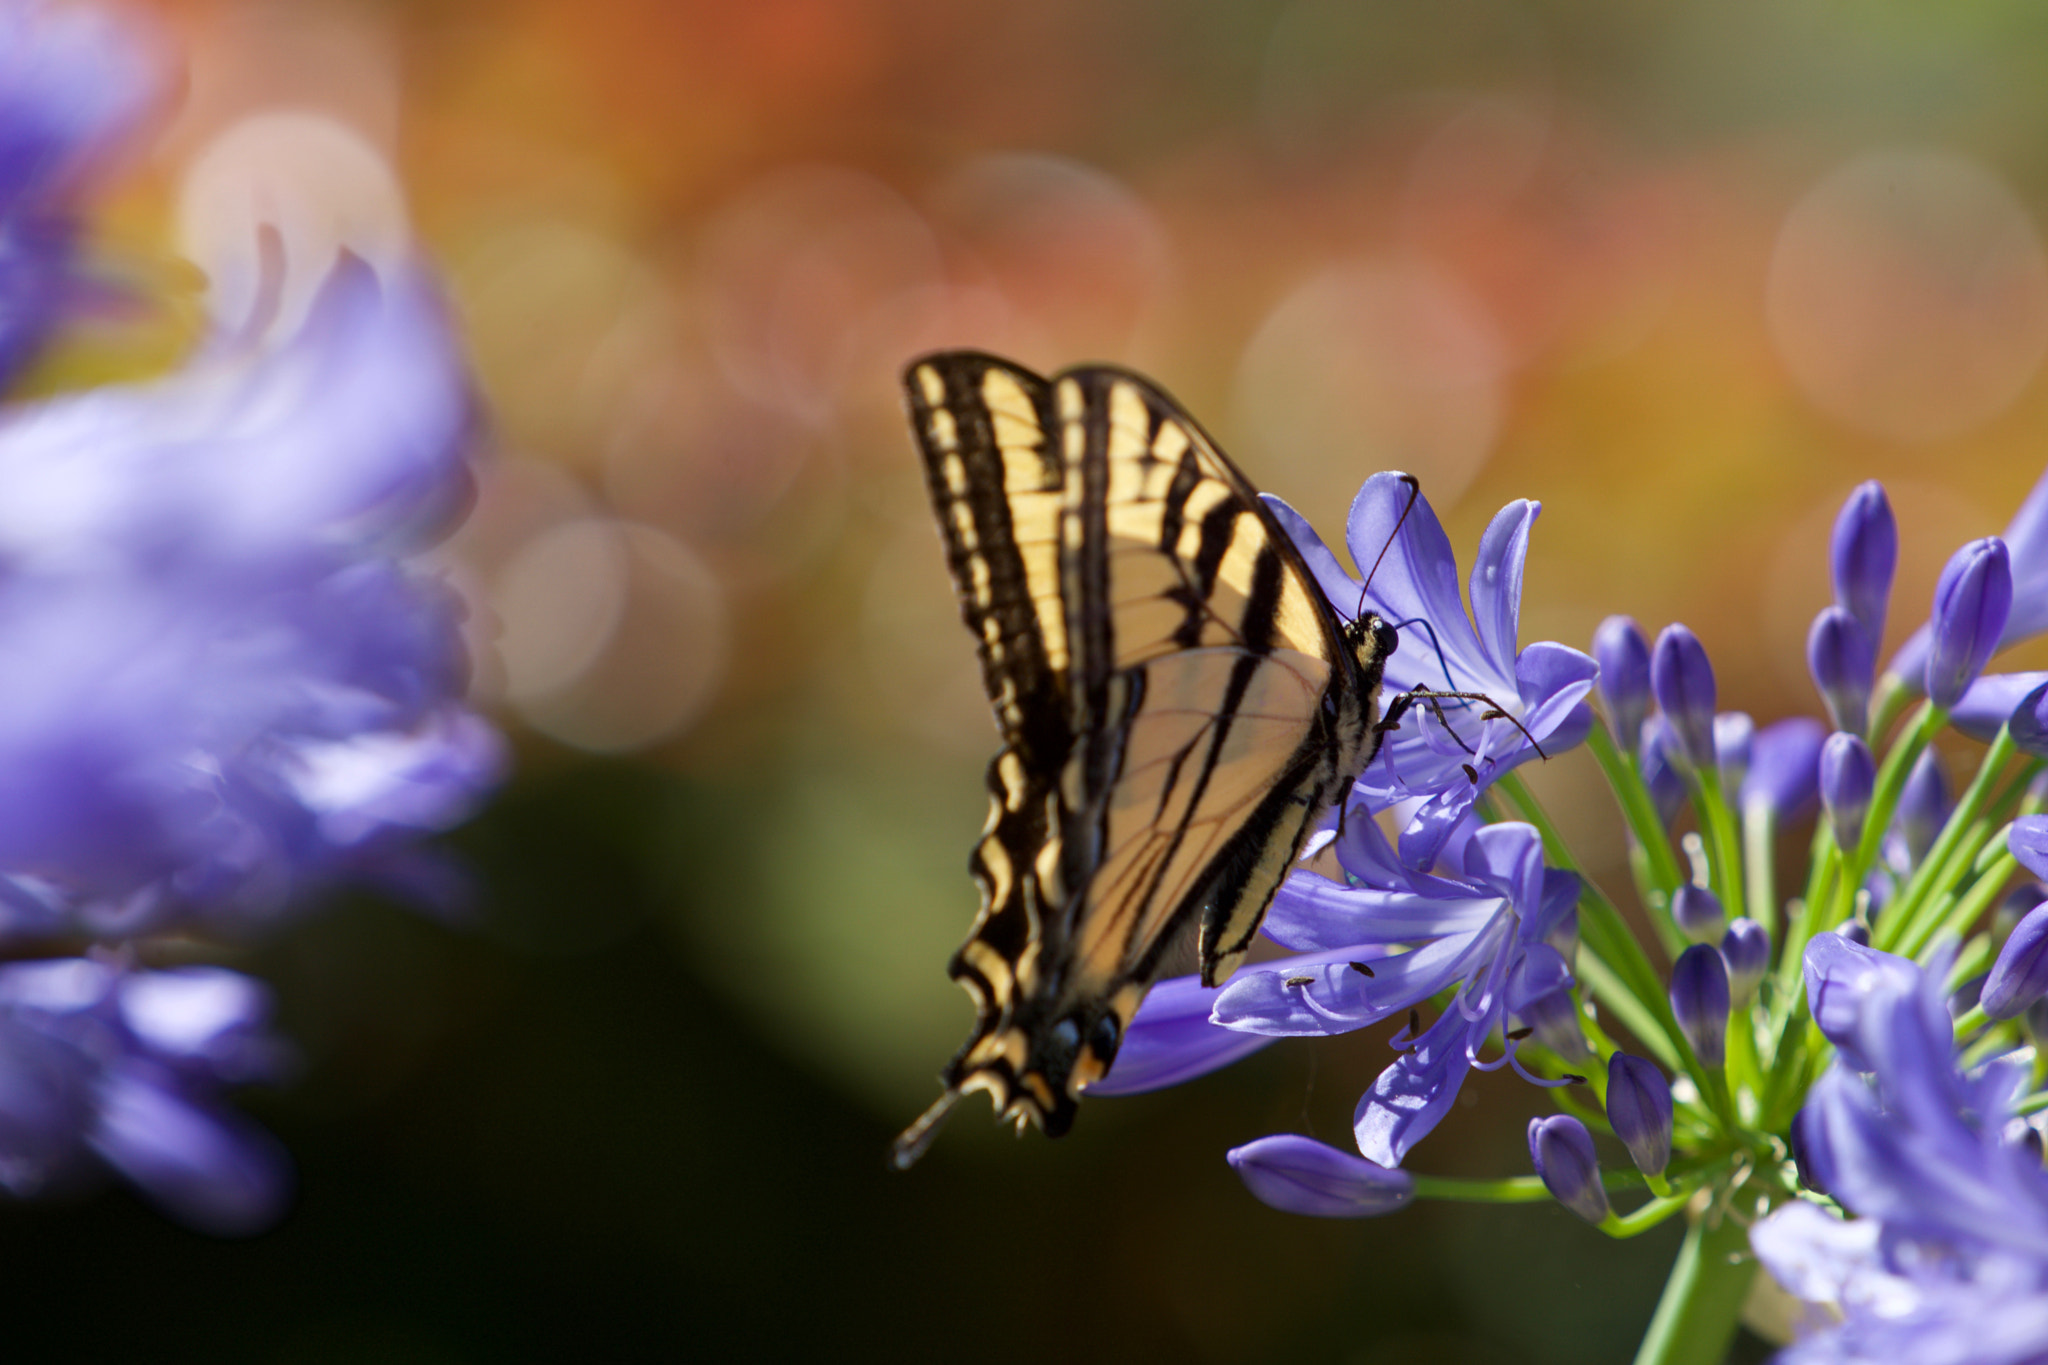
point(1104, 1037)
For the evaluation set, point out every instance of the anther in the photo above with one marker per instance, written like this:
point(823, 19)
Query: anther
point(1361, 969)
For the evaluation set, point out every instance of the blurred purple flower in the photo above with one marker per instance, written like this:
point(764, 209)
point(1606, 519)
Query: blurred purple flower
point(1492, 923)
point(74, 83)
point(1843, 661)
point(1971, 603)
point(1784, 768)
point(1848, 776)
point(1683, 679)
point(232, 682)
point(1948, 1257)
point(1445, 762)
point(2026, 543)
point(1624, 658)
point(104, 1066)
point(1863, 554)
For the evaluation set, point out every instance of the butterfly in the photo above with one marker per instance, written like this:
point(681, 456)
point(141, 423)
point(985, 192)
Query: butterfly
point(1179, 706)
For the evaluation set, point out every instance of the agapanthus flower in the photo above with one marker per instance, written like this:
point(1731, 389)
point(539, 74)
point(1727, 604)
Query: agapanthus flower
point(1491, 922)
point(74, 82)
point(1445, 760)
point(232, 679)
point(1947, 1259)
point(107, 1067)
point(2026, 544)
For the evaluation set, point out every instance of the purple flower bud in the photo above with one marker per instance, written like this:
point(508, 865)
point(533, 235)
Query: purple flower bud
point(2020, 975)
point(1562, 1151)
point(1683, 682)
point(1699, 998)
point(1923, 806)
point(1967, 996)
point(1746, 952)
point(2028, 725)
point(1864, 554)
point(1971, 602)
point(1698, 914)
point(1784, 767)
point(1624, 658)
point(2027, 841)
point(1300, 1175)
point(2014, 907)
point(1844, 664)
point(1734, 739)
point(1639, 1108)
point(1555, 1018)
point(1658, 762)
point(1848, 774)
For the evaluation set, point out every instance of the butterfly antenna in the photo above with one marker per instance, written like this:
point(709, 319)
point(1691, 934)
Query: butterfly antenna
point(1414, 492)
point(910, 1144)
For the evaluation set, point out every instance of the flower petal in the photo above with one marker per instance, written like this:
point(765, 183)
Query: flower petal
point(1497, 577)
point(1410, 1098)
point(1171, 1040)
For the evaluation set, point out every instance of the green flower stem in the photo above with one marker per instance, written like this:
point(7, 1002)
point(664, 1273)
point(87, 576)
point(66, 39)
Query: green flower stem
point(1759, 865)
point(1650, 1215)
point(1724, 856)
point(1891, 780)
point(1905, 918)
point(1702, 1303)
point(1514, 1189)
point(1892, 699)
point(1972, 1020)
point(1987, 888)
point(1602, 929)
point(1745, 1069)
point(1648, 835)
point(1621, 1002)
point(1790, 995)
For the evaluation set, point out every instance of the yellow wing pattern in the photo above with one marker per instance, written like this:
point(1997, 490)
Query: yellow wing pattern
point(1176, 702)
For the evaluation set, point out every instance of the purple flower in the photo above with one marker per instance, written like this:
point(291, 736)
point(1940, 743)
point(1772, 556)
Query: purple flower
point(2020, 975)
point(1784, 768)
point(1624, 658)
point(1659, 766)
point(1848, 776)
point(2026, 542)
point(74, 83)
point(121, 1069)
point(1698, 913)
point(1492, 924)
point(234, 683)
point(1924, 805)
point(1843, 661)
point(1996, 699)
point(2028, 843)
point(1683, 680)
point(1300, 1175)
point(1445, 761)
point(1734, 744)
point(1863, 553)
point(1171, 1039)
point(1639, 1110)
point(1746, 950)
point(1561, 1150)
point(1700, 1000)
point(1948, 1257)
point(1971, 603)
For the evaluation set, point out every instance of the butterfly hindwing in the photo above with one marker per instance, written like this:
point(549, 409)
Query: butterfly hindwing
point(1176, 700)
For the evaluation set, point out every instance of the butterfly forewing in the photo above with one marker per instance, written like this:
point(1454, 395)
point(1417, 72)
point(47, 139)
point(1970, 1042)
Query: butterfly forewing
point(1175, 698)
